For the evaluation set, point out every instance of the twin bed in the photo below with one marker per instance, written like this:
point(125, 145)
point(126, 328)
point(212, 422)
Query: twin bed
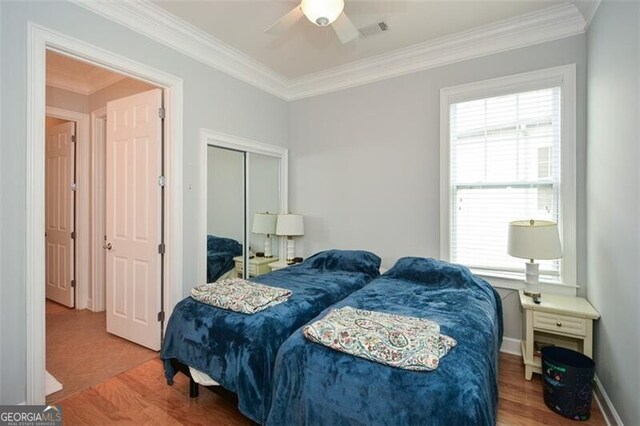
point(238, 351)
point(281, 378)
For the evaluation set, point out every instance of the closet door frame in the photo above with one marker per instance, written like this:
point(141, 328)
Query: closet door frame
point(236, 143)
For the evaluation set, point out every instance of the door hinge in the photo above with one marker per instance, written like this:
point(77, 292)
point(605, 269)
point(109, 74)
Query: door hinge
point(74, 139)
point(161, 181)
point(161, 248)
point(74, 186)
point(73, 283)
point(160, 316)
point(161, 112)
point(73, 235)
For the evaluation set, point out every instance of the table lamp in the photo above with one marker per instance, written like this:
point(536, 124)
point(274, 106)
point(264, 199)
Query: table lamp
point(265, 223)
point(534, 239)
point(290, 225)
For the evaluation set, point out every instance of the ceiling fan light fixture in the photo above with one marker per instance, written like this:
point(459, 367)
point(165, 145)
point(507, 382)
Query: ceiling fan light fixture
point(322, 12)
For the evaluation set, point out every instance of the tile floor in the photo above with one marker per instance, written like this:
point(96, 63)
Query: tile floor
point(80, 352)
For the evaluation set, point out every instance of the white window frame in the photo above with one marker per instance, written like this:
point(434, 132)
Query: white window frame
point(562, 76)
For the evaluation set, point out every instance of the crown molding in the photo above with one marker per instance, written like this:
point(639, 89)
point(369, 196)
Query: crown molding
point(533, 28)
point(154, 22)
point(588, 9)
point(146, 18)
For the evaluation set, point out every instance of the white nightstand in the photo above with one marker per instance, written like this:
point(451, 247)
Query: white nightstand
point(558, 320)
point(275, 266)
point(257, 265)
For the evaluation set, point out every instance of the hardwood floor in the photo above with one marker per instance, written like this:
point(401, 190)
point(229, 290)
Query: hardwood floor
point(80, 352)
point(142, 396)
point(521, 401)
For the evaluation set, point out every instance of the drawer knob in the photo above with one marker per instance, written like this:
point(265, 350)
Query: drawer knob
point(559, 323)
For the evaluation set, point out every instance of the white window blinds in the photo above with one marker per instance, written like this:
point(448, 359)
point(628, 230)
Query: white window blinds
point(505, 165)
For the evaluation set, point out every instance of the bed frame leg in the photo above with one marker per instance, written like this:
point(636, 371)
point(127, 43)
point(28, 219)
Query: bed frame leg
point(193, 388)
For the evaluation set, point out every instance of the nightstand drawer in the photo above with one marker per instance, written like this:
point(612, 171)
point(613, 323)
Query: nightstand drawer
point(560, 323)
point(252, 269)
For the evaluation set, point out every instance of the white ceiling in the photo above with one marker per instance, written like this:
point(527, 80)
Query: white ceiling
point(66, 73)
point(307, 49)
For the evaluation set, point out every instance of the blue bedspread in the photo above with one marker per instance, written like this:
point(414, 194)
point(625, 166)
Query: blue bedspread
point(220, 254)
point(315, 385)
point(238, 350)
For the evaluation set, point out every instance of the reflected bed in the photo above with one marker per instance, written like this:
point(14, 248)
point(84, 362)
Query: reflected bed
point(220, 254)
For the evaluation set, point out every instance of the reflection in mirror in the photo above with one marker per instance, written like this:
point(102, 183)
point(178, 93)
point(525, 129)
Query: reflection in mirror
point(264, 205)
point(225, 213)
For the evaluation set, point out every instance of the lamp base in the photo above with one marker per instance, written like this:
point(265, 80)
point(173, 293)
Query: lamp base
point(535, 295)
point(532, 281)
point(290, 251)
point(267, 247)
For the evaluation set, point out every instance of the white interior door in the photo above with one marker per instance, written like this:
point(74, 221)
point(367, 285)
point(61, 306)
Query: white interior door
point(59, 213)
point(133, 155)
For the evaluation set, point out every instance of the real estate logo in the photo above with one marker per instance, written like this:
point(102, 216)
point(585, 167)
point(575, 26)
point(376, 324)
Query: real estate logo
point(30, 415)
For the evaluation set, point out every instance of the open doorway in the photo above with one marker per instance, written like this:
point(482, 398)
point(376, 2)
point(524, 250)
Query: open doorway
point(103, 217)
point(39, 41)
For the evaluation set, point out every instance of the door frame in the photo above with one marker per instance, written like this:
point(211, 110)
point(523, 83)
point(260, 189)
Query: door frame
point(98, 208)
point(39, 40)
point(236, 143)
point(82, 200)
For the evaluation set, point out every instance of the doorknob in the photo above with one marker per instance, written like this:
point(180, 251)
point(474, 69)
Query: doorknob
point(107, 246)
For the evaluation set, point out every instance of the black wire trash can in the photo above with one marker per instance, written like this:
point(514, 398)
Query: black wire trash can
point(567, 376)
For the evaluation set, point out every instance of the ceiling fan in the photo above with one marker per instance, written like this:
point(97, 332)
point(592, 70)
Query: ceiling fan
point(322, 13)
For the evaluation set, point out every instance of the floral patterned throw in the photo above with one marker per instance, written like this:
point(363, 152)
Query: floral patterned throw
point(236, 294)
point(396, 340)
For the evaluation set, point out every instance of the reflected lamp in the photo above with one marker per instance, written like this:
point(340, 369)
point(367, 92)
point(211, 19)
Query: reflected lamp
point(265, 223)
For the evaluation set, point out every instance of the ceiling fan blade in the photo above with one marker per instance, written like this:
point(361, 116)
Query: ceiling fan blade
point(283, 24)
point(345, 29)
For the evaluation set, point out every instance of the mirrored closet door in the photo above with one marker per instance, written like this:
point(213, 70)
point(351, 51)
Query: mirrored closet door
point(225, 212)
point(244, 190)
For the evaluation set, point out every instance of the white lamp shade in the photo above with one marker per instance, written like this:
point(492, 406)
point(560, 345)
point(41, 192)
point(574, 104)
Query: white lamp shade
point(290, 225)
point(264, 223)
point(322, 12)
point(534, 239)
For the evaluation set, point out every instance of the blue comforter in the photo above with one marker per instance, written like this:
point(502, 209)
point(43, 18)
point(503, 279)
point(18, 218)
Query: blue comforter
point(238, 350)
point(315, 385)
point(220, 254)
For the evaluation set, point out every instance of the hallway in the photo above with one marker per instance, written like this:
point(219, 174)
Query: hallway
point(80, 352)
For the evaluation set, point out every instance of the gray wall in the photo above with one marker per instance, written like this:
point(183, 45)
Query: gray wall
point(68, 100)
point(211, 100)
point(118, 90)
point(613, 186)
point(364, 166)
point(73, 101)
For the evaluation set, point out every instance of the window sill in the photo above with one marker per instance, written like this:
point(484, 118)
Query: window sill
point(508, 281)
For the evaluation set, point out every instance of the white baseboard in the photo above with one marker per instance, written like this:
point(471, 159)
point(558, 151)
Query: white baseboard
point(606, 406)
point(511, 346)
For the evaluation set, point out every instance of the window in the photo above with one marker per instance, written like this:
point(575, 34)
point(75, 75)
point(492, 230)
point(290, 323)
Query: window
point(508, 154)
